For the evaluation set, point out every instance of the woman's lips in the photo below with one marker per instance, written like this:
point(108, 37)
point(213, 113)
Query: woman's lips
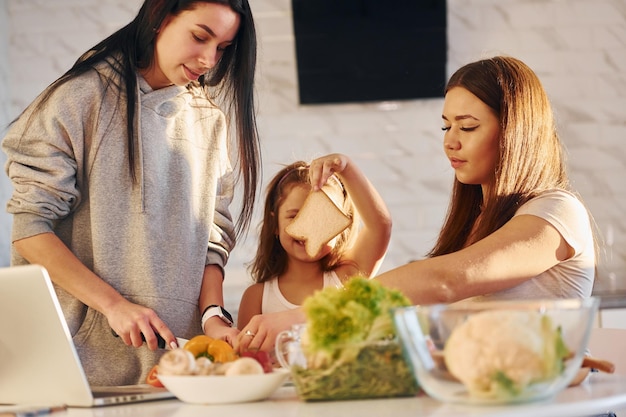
point(191, 75)
point(456, 163)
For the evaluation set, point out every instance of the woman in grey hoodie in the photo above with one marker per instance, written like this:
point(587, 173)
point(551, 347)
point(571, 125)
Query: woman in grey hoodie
point(122, 181)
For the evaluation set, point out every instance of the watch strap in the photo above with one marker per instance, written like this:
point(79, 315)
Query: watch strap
point(216, 310)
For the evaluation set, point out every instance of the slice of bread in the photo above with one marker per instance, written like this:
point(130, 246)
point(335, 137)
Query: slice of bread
point(318, 222)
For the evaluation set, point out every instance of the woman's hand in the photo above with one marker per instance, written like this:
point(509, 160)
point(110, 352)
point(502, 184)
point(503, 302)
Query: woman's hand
point(132, 321)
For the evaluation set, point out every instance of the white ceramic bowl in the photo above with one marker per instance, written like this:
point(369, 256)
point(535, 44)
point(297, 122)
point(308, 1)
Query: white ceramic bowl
point(478, 355)
point(221, 389)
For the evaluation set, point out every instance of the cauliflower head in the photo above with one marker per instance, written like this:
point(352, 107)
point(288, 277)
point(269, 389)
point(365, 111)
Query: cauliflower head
point(498, 354)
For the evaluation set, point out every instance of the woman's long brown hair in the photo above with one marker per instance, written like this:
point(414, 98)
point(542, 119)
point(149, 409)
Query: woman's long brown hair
point(531, 159)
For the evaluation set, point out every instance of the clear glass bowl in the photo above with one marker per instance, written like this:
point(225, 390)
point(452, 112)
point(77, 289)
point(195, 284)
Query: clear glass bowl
point(502, 355)
point(379, 370)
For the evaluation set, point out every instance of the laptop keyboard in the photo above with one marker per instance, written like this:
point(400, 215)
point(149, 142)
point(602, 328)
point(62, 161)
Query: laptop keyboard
point(99, 392)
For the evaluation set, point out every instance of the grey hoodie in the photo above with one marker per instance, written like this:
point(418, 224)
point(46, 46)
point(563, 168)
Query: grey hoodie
point(151, 239)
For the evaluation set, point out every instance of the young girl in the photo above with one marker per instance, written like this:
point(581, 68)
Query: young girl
point(284, 274)
point(123, 181)
point(514, 229)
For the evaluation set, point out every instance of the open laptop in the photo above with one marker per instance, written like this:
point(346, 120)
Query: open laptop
point(38, 360)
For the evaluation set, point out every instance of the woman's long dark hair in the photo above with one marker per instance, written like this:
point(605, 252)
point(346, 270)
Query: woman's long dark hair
point(131, 48)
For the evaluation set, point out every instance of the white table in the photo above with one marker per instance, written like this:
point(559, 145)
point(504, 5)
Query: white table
point(602, 393)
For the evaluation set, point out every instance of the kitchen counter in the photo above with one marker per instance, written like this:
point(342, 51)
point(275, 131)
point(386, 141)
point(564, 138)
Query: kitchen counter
point(611, 290)
point(611, 299)
point(601, 393)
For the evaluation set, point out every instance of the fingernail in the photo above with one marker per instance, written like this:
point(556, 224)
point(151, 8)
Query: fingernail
point(173, 344)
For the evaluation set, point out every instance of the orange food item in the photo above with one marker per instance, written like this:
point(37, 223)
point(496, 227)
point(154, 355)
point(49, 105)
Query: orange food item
point(198, 345)
point(217, 350)
point(221, 351)
point(153, 378)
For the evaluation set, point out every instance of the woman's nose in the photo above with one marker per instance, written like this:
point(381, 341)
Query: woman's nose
point(450, 141)
point(209, 57)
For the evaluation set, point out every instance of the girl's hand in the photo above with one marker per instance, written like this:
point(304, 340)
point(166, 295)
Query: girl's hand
point(261, 331)
point(322, 168)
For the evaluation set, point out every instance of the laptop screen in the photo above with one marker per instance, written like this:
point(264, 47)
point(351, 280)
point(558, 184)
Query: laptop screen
point(38, 360)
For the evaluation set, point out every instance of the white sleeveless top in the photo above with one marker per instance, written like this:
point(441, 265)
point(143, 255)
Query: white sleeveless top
point(274, 301)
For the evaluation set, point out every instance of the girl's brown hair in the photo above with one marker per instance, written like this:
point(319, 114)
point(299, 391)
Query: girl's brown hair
point(271, 259)
point(531, 159)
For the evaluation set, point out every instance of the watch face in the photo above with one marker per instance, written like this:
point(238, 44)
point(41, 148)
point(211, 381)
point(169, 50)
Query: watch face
point(227, 318)
point(219, 311)
point(226, 315)
point(223, 314)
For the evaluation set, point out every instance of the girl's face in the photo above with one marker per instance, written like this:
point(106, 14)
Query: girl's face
point(287, 210)
point(471, 139)
point(191, 43)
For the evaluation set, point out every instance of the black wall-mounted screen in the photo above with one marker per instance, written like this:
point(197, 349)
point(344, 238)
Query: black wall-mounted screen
point(369, 50)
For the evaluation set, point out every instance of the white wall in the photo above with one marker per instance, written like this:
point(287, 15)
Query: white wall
point(578, 48)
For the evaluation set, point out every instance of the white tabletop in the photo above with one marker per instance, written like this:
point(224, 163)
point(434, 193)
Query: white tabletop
point(602, 393)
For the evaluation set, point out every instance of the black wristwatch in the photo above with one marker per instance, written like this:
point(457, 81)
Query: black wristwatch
point(219, 311)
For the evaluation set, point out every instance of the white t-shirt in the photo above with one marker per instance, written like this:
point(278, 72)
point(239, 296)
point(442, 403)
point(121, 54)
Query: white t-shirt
point(274, 301)
point(572, 278)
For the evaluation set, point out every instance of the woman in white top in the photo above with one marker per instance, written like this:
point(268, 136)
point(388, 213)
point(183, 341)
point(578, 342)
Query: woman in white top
point(514, 228)
point(283, 272)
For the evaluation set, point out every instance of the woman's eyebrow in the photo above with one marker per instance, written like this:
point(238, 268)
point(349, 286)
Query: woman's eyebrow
point(207, 29)
point(461, 117)
point(210, 31)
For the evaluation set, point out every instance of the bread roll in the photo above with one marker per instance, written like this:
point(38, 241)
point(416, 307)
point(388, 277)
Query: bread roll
point(318, 222)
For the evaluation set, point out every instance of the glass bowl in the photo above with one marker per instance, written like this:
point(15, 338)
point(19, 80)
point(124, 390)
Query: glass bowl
point(496, 352)
point(379, 370)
